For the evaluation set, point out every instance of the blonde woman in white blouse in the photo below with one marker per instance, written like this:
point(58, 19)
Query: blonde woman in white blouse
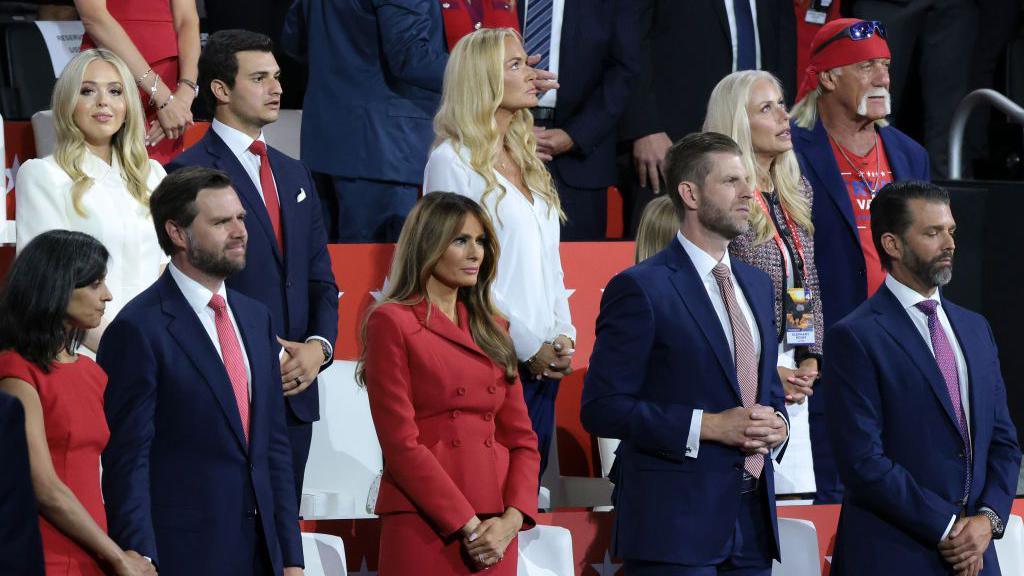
point(99, 179)
point(486, 150)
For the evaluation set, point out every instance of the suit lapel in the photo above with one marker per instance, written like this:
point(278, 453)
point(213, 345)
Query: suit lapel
point(766, 330)
point(822, 162)
point(970, 345)
point(723, 18)
point(898, 162)
point(695, 298)
point(249, 331)
point(896, 321)
point(192, 338)
point(225, 160)
point(443, 327)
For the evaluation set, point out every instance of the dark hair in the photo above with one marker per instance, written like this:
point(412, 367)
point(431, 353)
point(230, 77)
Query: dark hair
point(219, 62)
point(175, 199)
point(688, 161)
point(36, 292)
point(889, 213)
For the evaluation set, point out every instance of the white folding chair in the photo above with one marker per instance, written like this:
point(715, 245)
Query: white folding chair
point(799, 542)
point(285, 133)
point(324, 555)
point(1010, 548)
point(44, 132)
point(546, 551)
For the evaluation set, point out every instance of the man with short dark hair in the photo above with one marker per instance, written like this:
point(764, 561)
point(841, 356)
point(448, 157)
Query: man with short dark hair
point(197, 473)
point(289, 268)
point(683, 375)
point(917, 412)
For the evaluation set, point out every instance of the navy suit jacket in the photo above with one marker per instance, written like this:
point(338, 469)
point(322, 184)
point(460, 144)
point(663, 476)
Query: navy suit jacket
point(661, 353)
point(298, 286)
point(21, 549)
point(375, 74)
point(842, 273)
point(180, 483)
point(599, 61)
point(897, 443)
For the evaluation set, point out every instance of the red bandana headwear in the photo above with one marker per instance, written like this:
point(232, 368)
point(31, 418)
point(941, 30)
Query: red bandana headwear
point(841, 52)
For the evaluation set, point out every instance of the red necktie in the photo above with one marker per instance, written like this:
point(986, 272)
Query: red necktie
point(231, 352)
point(269, 189)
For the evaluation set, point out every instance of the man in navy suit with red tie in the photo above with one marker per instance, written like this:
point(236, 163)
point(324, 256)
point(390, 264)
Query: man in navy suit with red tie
point(288, 267)
point(917, 414)
point(197, 474)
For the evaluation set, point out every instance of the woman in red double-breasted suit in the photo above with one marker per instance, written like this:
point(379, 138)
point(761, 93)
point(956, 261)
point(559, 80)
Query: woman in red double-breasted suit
point(464, 16)
point(460, 456)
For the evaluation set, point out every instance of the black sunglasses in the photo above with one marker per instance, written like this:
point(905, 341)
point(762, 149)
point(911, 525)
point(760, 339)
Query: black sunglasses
point(857, 31)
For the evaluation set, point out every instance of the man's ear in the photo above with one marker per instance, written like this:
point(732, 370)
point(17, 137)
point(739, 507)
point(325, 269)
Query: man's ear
point(177, 234)
point(892, 245)
point(689, 193)
point(221, 91)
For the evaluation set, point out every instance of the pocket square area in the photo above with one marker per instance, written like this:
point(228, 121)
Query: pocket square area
point(301, 196)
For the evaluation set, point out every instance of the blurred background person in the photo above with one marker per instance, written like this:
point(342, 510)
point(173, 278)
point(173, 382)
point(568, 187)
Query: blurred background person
point(658, 226)
point(21, 548)
point(159, 41)
point(848, 152)
point(749, 107)
point(54, 293)
point(486, 150)
point(460, 473)
point(99, 178)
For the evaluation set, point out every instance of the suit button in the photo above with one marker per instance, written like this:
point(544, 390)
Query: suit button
point(456, 443)
point(489, 416)
point(460, 391)
point(456, 414)
point(488, 442)
point(492, 389)
point(288, 284)
point(252, 467)
point(960, 454)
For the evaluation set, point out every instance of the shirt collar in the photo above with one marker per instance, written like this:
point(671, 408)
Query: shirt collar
point(237, 141)
point(197, 295)
point(96, 168)
point(907, 296)
point(702, 261)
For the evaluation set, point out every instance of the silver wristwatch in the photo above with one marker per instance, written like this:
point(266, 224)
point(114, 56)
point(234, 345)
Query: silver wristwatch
point(994, 520)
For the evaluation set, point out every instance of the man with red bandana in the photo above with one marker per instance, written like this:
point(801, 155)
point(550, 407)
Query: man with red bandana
point(848, 152)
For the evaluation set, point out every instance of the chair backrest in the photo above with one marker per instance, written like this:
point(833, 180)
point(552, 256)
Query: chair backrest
point(800, 556)
point(1010, 548)
point(44, 132)
point(284, 134)
point(606, 449)
point(324, 555)
point(546, 551)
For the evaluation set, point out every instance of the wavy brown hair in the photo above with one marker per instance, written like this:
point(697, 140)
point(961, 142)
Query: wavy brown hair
point(431, 227)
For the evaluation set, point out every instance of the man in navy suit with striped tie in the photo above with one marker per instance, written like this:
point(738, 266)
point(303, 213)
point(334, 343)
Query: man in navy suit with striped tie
point(288, 267)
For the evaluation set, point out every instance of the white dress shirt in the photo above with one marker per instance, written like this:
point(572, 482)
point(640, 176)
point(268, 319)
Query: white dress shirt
point(549, 98)
point(529, 287)
point(198, 297)
point(908, 298)
point(730, 14)
point(112, 216)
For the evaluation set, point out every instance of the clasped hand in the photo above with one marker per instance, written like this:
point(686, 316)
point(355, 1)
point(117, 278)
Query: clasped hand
point(754, 430)
point(553, 360)
point(486, 541)
point(966, 543)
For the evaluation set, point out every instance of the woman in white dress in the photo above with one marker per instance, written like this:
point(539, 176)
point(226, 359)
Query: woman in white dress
point(99, 178)
point(748, 106)
point(486, 150)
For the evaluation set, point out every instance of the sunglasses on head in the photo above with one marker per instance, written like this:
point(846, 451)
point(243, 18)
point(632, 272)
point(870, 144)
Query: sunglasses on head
point(857, 31)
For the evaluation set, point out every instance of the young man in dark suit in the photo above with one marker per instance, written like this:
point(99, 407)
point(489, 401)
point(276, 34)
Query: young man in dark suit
point(288, 267)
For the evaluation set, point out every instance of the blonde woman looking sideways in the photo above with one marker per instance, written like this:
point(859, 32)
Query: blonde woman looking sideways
point(99, 178)
point(486, 150)
point(749, 107)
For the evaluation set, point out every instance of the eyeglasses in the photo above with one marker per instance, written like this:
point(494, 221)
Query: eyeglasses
point(857, 31)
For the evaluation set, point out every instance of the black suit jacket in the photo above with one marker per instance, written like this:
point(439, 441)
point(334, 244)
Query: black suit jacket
point(687, 50)
point(599, 62)
point(21, 549)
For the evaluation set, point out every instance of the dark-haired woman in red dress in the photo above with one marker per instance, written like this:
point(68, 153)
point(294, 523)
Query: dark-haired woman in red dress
point(54, 293)
point(159, 40)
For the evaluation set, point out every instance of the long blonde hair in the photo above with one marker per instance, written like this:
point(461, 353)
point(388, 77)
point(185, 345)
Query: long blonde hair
point(727, 114)
point(658, 226)
point(474, 86)
point(433, 223)
point(128, 143)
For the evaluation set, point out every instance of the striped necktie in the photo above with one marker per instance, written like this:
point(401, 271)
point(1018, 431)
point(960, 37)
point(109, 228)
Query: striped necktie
point(538, 31)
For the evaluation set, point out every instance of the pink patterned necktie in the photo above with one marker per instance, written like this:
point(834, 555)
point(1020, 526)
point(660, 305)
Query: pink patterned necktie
point(231, 352)
point(946, 359)
point(744, 355)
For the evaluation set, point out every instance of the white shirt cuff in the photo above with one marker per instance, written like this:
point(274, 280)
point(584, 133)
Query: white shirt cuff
point(330, 348)
point(693, 438)
point(948, 528)
point(778, 449)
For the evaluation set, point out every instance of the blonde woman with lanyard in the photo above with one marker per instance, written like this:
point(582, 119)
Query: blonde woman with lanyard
point(749, 107)
point(486, 150)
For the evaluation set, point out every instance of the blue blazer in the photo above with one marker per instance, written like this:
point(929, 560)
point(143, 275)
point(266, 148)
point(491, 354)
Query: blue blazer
point(180, 484)
point(21, 549)
point(375, 73)
point(897, 443)
point(298, 286)
point(842, 273)
point(660, 354)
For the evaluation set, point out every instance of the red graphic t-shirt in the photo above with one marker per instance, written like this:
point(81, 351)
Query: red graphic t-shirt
point(875, 168)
